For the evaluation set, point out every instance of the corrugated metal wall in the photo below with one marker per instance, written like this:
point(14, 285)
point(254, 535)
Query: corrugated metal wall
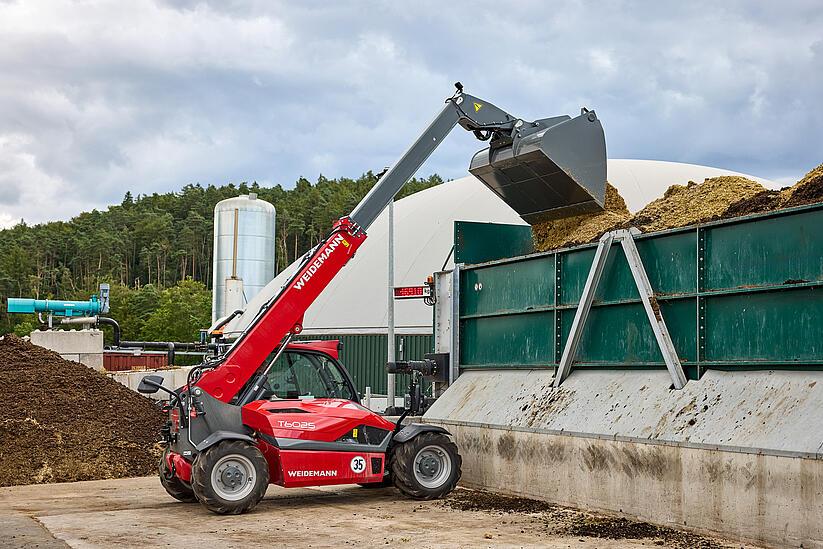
point(740, 293)
point(365, 357)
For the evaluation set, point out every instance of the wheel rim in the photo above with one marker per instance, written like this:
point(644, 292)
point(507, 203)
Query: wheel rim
point(432, 466)
point(233, 477)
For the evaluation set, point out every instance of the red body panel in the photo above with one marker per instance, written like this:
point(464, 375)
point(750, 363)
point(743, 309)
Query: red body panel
point(320, 419)
point(285, 315)
point(329, 347)
point(295, 468)
point(182, 468)
point(305, 468)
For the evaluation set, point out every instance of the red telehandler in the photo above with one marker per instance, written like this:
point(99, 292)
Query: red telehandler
point(271, 410)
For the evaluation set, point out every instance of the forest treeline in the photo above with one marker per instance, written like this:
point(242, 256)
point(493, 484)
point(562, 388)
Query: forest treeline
point(156, 250)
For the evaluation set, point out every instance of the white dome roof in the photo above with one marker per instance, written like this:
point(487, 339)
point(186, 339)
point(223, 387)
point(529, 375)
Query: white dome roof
point(356, 301)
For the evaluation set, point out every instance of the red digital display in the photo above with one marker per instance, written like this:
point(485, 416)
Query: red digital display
point(411, 292)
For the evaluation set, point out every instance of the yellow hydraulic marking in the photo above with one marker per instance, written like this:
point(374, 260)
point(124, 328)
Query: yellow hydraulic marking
point(478, 106)
point(354, 433)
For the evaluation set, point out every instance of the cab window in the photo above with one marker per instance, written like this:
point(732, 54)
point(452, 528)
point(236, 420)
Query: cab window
point(306, 375)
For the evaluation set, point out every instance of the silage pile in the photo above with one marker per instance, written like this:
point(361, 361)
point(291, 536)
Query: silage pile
point(680, 206)
point(683, 205)
point(582, 228)
point(62, 421)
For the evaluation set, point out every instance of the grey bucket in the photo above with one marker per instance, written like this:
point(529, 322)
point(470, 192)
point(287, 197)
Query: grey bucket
point(558, 171)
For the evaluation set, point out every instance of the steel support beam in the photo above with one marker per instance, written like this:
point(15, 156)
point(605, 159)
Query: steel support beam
point(641, 280)
point(583, 308)
point(661, 333)
point(454, 359)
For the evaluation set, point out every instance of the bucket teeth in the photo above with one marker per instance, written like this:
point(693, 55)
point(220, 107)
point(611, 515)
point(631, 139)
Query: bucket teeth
point(556, 172)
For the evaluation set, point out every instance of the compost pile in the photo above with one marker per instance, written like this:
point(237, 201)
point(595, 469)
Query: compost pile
point(681, 205)
point(808, 190)
point(62, 421)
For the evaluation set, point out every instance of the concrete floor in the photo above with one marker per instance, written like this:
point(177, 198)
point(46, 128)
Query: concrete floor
point(138, 513)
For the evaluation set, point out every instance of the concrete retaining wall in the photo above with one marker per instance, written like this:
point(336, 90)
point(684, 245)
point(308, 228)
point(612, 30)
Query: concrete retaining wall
point(743, 474)
point(83, 346)
point(173, 378)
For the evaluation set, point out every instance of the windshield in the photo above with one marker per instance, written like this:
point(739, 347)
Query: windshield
point(306, 375)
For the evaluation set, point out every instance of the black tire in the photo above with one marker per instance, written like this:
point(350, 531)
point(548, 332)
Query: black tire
point(427, 448)
point(239, 462)
point(176, 488)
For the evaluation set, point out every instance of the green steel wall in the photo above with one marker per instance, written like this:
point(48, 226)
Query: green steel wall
point(742, 293)
point(364, 356)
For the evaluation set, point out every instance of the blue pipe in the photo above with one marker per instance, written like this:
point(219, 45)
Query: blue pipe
point(55, 307)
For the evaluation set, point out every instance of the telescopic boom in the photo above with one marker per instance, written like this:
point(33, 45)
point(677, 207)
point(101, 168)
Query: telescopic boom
point(544, 169)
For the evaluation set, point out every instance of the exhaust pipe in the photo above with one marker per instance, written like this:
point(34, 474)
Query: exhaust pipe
point(550, 169)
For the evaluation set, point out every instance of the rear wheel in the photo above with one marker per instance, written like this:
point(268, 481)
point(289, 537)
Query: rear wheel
point(175, 487)
point(230, 477)
point(427, 466)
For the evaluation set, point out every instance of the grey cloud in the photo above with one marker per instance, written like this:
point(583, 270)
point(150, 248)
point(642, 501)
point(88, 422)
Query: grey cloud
point(156, 95)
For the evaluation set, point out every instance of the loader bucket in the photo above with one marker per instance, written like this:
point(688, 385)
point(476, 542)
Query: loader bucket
point(555, 172)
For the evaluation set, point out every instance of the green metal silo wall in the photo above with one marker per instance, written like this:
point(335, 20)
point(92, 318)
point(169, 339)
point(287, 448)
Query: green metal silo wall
point(364, 356)
point(735, 294)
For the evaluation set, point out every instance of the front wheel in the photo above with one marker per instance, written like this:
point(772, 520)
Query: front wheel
point(427, 466)
point(230, 478)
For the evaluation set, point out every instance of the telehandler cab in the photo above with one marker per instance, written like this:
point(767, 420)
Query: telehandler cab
point(272, 410)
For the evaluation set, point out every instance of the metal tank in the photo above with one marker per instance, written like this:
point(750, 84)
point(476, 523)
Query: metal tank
point(244, 247)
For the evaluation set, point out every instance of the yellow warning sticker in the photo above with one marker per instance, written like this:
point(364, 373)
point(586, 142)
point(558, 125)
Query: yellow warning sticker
point(345, 243)
point(478, 106)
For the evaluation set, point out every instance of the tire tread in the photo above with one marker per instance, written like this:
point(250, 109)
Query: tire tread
point(201, 477)
point(402, 463)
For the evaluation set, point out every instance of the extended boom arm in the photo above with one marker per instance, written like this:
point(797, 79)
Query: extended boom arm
point(283, 314)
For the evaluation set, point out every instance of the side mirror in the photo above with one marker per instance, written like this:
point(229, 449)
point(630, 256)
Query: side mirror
point(150, 385)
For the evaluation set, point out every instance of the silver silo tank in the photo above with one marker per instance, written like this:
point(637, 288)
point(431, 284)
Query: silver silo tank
point(244, 247)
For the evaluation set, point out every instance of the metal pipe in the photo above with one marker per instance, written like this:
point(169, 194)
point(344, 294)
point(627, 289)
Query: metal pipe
point(115, 327)
point(95, 320)
point(234, 245)
point(390, 384)
point(162, 345)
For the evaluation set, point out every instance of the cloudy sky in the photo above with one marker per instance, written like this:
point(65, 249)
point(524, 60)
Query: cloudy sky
point(99, 97)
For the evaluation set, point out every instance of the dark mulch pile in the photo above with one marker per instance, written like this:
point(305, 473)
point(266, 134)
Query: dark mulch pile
point(62, 421)
point(765, 201)
point(808, 190)
point(565, 521)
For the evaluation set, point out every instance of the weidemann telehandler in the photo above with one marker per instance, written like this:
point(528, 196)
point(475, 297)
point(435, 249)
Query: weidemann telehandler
point(271, 410)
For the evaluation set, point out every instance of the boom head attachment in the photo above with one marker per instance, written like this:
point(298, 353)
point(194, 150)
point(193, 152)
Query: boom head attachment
point(548, 169)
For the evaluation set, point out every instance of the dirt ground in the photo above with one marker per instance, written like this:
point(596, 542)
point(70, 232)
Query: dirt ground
point(137, 513)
